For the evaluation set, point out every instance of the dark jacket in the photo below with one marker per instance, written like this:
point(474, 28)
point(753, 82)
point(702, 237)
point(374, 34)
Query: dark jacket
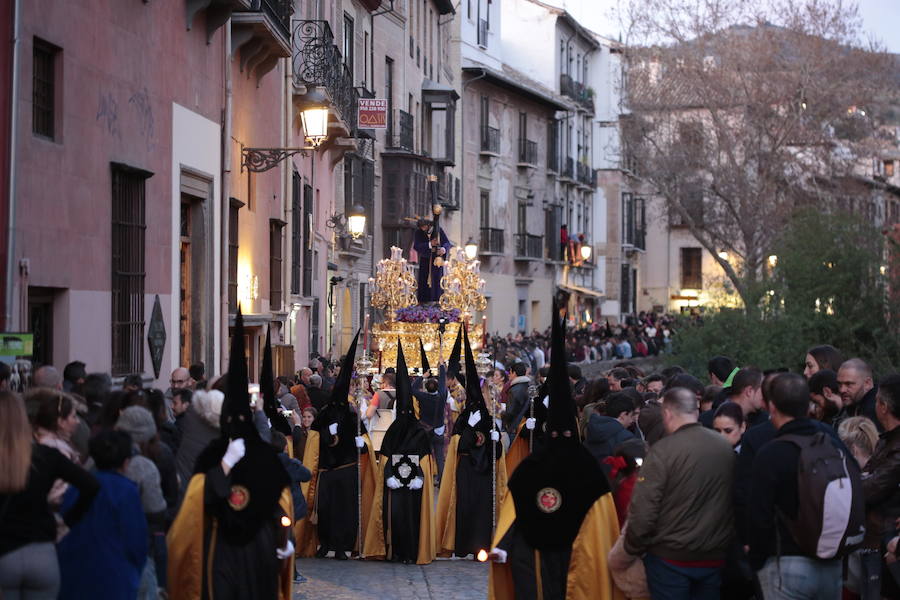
point(864, 408)
point(880, 487)
point(431, 405)
point(298, 474)
point(751, 442)
point(517, 404)
point(196, 434)
point(773, 488)
point(603, 435)
point(681, 506)
point(651, 423)
point(317, 397)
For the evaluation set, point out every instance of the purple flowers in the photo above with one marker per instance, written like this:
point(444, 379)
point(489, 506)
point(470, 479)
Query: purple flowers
point(426, 314)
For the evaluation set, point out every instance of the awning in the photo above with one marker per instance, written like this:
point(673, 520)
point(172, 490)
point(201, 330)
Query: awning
point(580, 290)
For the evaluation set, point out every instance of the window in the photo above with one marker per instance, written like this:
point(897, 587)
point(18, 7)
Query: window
point(888, 168)
point(389, 95)
point(296, 233)
point(348, 42)
point(233, 237)
point(308, 237)
point(127, 286)
point(691, 268)
point(275, 261)
point(522, 218)
point(43, 91)
point(365, 77)
point(485, 208)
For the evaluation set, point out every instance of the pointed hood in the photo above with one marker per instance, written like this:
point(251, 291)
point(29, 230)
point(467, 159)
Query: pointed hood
point(341, 390)
point(237, 416)
point(474, 397)
point(453, 366)
point(423, 358)
point(405, 435)
point(562, 412)
point(402, 386)
point(267, 389)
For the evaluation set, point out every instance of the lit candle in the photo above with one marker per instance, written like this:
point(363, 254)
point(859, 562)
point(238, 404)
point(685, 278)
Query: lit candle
point(484, 331)
point(366, 334)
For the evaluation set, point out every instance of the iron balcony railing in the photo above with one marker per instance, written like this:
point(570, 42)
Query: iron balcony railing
point(585, 174)
point(527, 151)
point(491, 240)
point(569, 168)
point(575, 90)
point(279, 11)
point(483, 33)
point(405, 127)
point(552, 158)
point(529, 246)
point(490, 139)
point(318, 62)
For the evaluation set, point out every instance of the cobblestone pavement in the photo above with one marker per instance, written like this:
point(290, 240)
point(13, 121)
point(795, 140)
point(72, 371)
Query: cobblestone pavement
point(364, 580)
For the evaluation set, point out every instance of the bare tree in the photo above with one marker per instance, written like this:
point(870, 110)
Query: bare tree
point(738, 114)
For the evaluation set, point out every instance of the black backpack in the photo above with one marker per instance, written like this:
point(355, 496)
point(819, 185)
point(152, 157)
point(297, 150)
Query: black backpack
point(831, 513)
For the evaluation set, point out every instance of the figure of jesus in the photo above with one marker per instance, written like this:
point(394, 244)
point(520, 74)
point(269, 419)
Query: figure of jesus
point(429, 244)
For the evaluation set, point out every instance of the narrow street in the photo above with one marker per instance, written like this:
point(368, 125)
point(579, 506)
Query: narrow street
point(363, 580)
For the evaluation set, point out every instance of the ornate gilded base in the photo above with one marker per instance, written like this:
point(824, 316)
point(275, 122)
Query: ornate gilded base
point(386, 334)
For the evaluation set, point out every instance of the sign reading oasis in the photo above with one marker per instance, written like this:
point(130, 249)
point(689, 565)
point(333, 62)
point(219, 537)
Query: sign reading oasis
point(372, 113)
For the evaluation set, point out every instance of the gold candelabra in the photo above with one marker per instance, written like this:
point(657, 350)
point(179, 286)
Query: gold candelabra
point(394, 285)
point(462, 284)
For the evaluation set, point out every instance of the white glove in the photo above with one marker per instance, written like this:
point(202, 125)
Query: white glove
point(360, 443)
point(546, 401)
point(497, 555)
point(495, 435)
point(439, 430)
point(530, 423)
point(332, 429)
point(235, 452)
point(285, 552)
point(474, 418)
point(416, 484)
point(392, 482)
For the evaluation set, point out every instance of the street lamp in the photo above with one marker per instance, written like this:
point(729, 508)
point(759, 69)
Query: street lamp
point(585, 252)
point(471, 249)
point(315, 125)
point(773, 260)
point(356, 222)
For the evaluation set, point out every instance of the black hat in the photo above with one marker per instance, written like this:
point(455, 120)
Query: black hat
point(404, 436)
point(453, 365)
point(555, 487)
point(267, 389)
point(341, 390)
point(236, 420)
point(474, 397)
point(423, 357)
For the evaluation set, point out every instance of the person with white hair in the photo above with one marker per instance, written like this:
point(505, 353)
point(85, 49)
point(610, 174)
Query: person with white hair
point(199, 426)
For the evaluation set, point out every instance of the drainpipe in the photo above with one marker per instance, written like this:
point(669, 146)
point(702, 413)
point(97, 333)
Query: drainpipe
point(11, 215)
point(226, 198)
point(462, 164)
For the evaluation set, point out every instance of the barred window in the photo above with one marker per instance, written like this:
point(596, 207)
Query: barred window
point(43, 89)
point(276, 290)
point(127, 289)
point(233, 225)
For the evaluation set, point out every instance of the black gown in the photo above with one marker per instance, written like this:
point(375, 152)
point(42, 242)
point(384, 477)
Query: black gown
point(474, 491)
point(521, 559)
point(402, 508)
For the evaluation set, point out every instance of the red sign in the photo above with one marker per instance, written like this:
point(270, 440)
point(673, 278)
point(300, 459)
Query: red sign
point(372, 113)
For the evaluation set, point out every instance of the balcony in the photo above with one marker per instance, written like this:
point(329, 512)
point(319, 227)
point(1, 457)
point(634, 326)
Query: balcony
point(552, 159)
point(527, 153)
point(529, 247)
point(404, 124)
point(490, 140)
point(448, 190)
point(584, 174)
point(491, 241)
point(568, 171)
point(217, 12)
point(317, 62)
point(482, 33)
point(576, 91)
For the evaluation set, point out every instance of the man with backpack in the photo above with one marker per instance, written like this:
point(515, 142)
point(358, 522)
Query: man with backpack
point(806, 506)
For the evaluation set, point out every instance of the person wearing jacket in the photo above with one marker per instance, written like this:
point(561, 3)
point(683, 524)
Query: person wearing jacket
point(879, 482)
point(605, 433)
point(517, 400)
point(680, 516)
point(104, 554)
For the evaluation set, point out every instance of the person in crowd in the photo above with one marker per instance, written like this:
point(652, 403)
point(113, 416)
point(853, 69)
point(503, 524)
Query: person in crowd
point(558, 521)
point(623, 468)
point(680, 518)
point(28, 560)
point(300, 431)
point(782, 566)
point(746, 392)
point(616, 377)
point(860, 436)
point(578, 383)
point(880, 478)
point(48, 377)
point(318, 398)
point(650, 420)
point(858, 391)
point(401, 528)
point(594, 400)
point(105, 553)
point(344, 462)
point(385, 397)
point(181, 402)
point(298, 391)
point(132, 383)
point(197, 371)
point(231, 538)
point(474, 471)
point(821, 358)
point(651, 383)
point(199, 426)
point(622, 348)
point(283, 392)
point(298, 475)
point(95, 389)
point(729, 422)
point(517, 400)
point(54, 422)
point(432, 401)
point(824, 392)
point(711, 393)
point(74, 375)
point(721, 369)
point(606, 432)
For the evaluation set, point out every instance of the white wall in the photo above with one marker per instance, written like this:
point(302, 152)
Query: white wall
point(196, 143)
point(492, 55)
point(529, 41)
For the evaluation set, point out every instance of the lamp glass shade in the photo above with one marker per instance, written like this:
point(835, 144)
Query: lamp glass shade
point(356, 222)
point(315, 124)
point(585, 252)
point(471, 250)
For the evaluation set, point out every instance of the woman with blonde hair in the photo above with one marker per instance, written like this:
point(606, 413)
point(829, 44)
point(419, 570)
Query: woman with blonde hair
point(860, 435)
point(28, 564)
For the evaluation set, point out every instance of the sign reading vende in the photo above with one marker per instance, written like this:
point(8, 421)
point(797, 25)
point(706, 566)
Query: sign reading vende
point(372, 113)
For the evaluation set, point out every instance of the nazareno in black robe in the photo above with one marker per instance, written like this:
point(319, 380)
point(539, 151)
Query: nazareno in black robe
point(474, 485)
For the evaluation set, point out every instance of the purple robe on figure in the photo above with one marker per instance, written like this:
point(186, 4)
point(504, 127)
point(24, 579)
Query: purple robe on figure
point(421, 244)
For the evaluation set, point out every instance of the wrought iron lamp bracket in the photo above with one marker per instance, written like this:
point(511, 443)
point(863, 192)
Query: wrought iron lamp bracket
point(259, 160)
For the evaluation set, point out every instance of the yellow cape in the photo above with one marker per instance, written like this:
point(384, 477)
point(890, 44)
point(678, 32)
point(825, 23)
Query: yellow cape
point(305, 529)
point(375, 547)
point(446, 506)
point(518, 450)
point(589, 576)
point(185, 545)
